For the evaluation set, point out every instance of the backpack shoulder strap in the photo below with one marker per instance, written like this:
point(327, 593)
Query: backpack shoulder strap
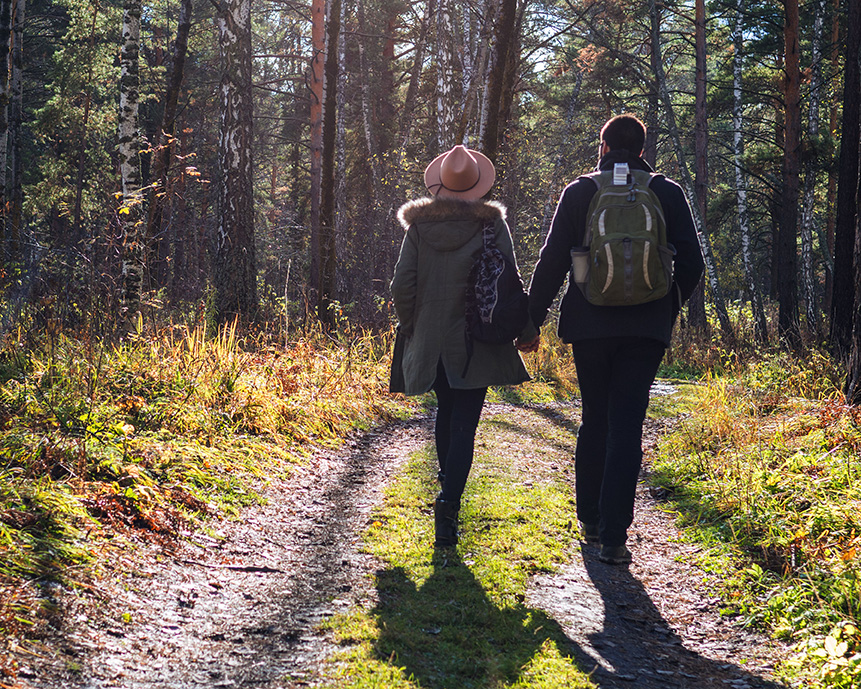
point(595, 177)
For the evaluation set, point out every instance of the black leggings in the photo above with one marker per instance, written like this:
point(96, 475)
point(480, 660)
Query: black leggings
point(458, 412)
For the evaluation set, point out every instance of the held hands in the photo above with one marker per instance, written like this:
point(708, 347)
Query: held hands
point(528, 345)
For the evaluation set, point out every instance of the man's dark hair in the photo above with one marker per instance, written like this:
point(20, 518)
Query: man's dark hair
point(624, 131)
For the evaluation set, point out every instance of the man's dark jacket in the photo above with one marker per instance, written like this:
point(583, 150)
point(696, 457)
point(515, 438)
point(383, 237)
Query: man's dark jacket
point(580, 320)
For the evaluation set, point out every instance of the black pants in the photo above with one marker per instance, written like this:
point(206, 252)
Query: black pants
point(457, 416)
point(614, 375)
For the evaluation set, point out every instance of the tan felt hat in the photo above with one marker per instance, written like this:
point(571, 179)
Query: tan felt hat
point(460, 173)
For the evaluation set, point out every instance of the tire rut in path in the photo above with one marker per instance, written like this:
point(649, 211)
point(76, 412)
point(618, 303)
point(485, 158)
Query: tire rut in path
point(243, 609)
point(200, 618)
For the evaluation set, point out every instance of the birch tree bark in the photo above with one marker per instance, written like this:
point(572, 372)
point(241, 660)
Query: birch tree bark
point(787, 290)
point(473, 82)
point(341, 218)
point(129, 159)
point(844, 308)
point(444, 77)
point(316, 76)
point(760, 328)
point(827, 243)
point(687, 181)
point(15, 190)
point(326, 286)
point(235, 276)
point(158, 198)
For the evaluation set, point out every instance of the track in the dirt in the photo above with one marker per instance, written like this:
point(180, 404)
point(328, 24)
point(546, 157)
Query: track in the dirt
point(243, 609)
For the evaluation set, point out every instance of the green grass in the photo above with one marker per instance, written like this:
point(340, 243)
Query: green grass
point(460, 618)
point(156, 434)
point(765, 470)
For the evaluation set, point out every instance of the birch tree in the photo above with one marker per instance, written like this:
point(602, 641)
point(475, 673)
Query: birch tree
point(15, 189)
point(129, 159)
point(759, 323)
point(235, 276)
point(445, 76)
point(315, 86)
point(326, 284)
point(808, 205)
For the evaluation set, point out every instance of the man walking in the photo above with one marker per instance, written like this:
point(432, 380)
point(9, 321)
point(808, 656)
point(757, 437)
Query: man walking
point(617, 349)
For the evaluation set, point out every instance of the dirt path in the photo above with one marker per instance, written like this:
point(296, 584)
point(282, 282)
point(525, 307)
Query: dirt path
point(242, 609)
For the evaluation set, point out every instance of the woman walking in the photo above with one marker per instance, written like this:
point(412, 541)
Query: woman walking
point(443, 235)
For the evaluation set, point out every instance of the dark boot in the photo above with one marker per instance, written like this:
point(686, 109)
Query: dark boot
point(445, 522)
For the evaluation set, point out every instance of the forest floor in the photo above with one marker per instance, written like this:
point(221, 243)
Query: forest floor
point(241, 605)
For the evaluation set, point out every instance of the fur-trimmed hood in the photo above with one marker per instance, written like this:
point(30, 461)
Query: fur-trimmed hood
point(431, 209)
point(448, 224)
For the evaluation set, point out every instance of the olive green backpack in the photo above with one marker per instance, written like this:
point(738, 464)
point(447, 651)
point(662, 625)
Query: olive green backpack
point(625, 258)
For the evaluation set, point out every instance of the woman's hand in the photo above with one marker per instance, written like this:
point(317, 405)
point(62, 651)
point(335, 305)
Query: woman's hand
point(528, 345)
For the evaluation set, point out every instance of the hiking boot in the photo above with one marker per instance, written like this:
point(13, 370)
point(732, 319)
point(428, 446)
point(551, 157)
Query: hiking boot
point(445, 522)
point(589, 532)
point(615, 554)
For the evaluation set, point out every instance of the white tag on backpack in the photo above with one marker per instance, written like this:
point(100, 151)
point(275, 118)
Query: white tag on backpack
point(620, 174)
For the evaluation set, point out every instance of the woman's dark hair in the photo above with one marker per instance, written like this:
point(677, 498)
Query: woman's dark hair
point(624, 131)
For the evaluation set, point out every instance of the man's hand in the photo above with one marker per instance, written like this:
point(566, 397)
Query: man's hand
point(528, 345)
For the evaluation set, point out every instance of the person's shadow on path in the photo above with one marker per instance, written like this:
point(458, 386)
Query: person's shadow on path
point(448, 634)
point(623, 639)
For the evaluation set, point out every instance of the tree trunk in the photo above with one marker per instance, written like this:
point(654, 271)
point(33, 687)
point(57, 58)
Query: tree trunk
point(760, 328)
point(445, 77)
point(130, 162)
point(687, 181)
point(159, 201)
point(696, 305)
point(843, 306)
point(235, 270)
point(787, 292)
point(811, 162)
point(831, 199)
point(318, 59)
point(341, 217)
point(326, 286)
point(16, 112)
point(474, 82)
point(5, 36)
point(853, 379)
point(503, 44)
point(405, 123)
point(650, 148)
point(367, 114)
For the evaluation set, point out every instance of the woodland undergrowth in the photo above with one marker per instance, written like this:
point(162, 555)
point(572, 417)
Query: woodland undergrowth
point(103, 444)
point(765, 468)
point(155, 435)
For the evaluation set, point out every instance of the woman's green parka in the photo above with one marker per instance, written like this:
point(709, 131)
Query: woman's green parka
point(429, 287)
